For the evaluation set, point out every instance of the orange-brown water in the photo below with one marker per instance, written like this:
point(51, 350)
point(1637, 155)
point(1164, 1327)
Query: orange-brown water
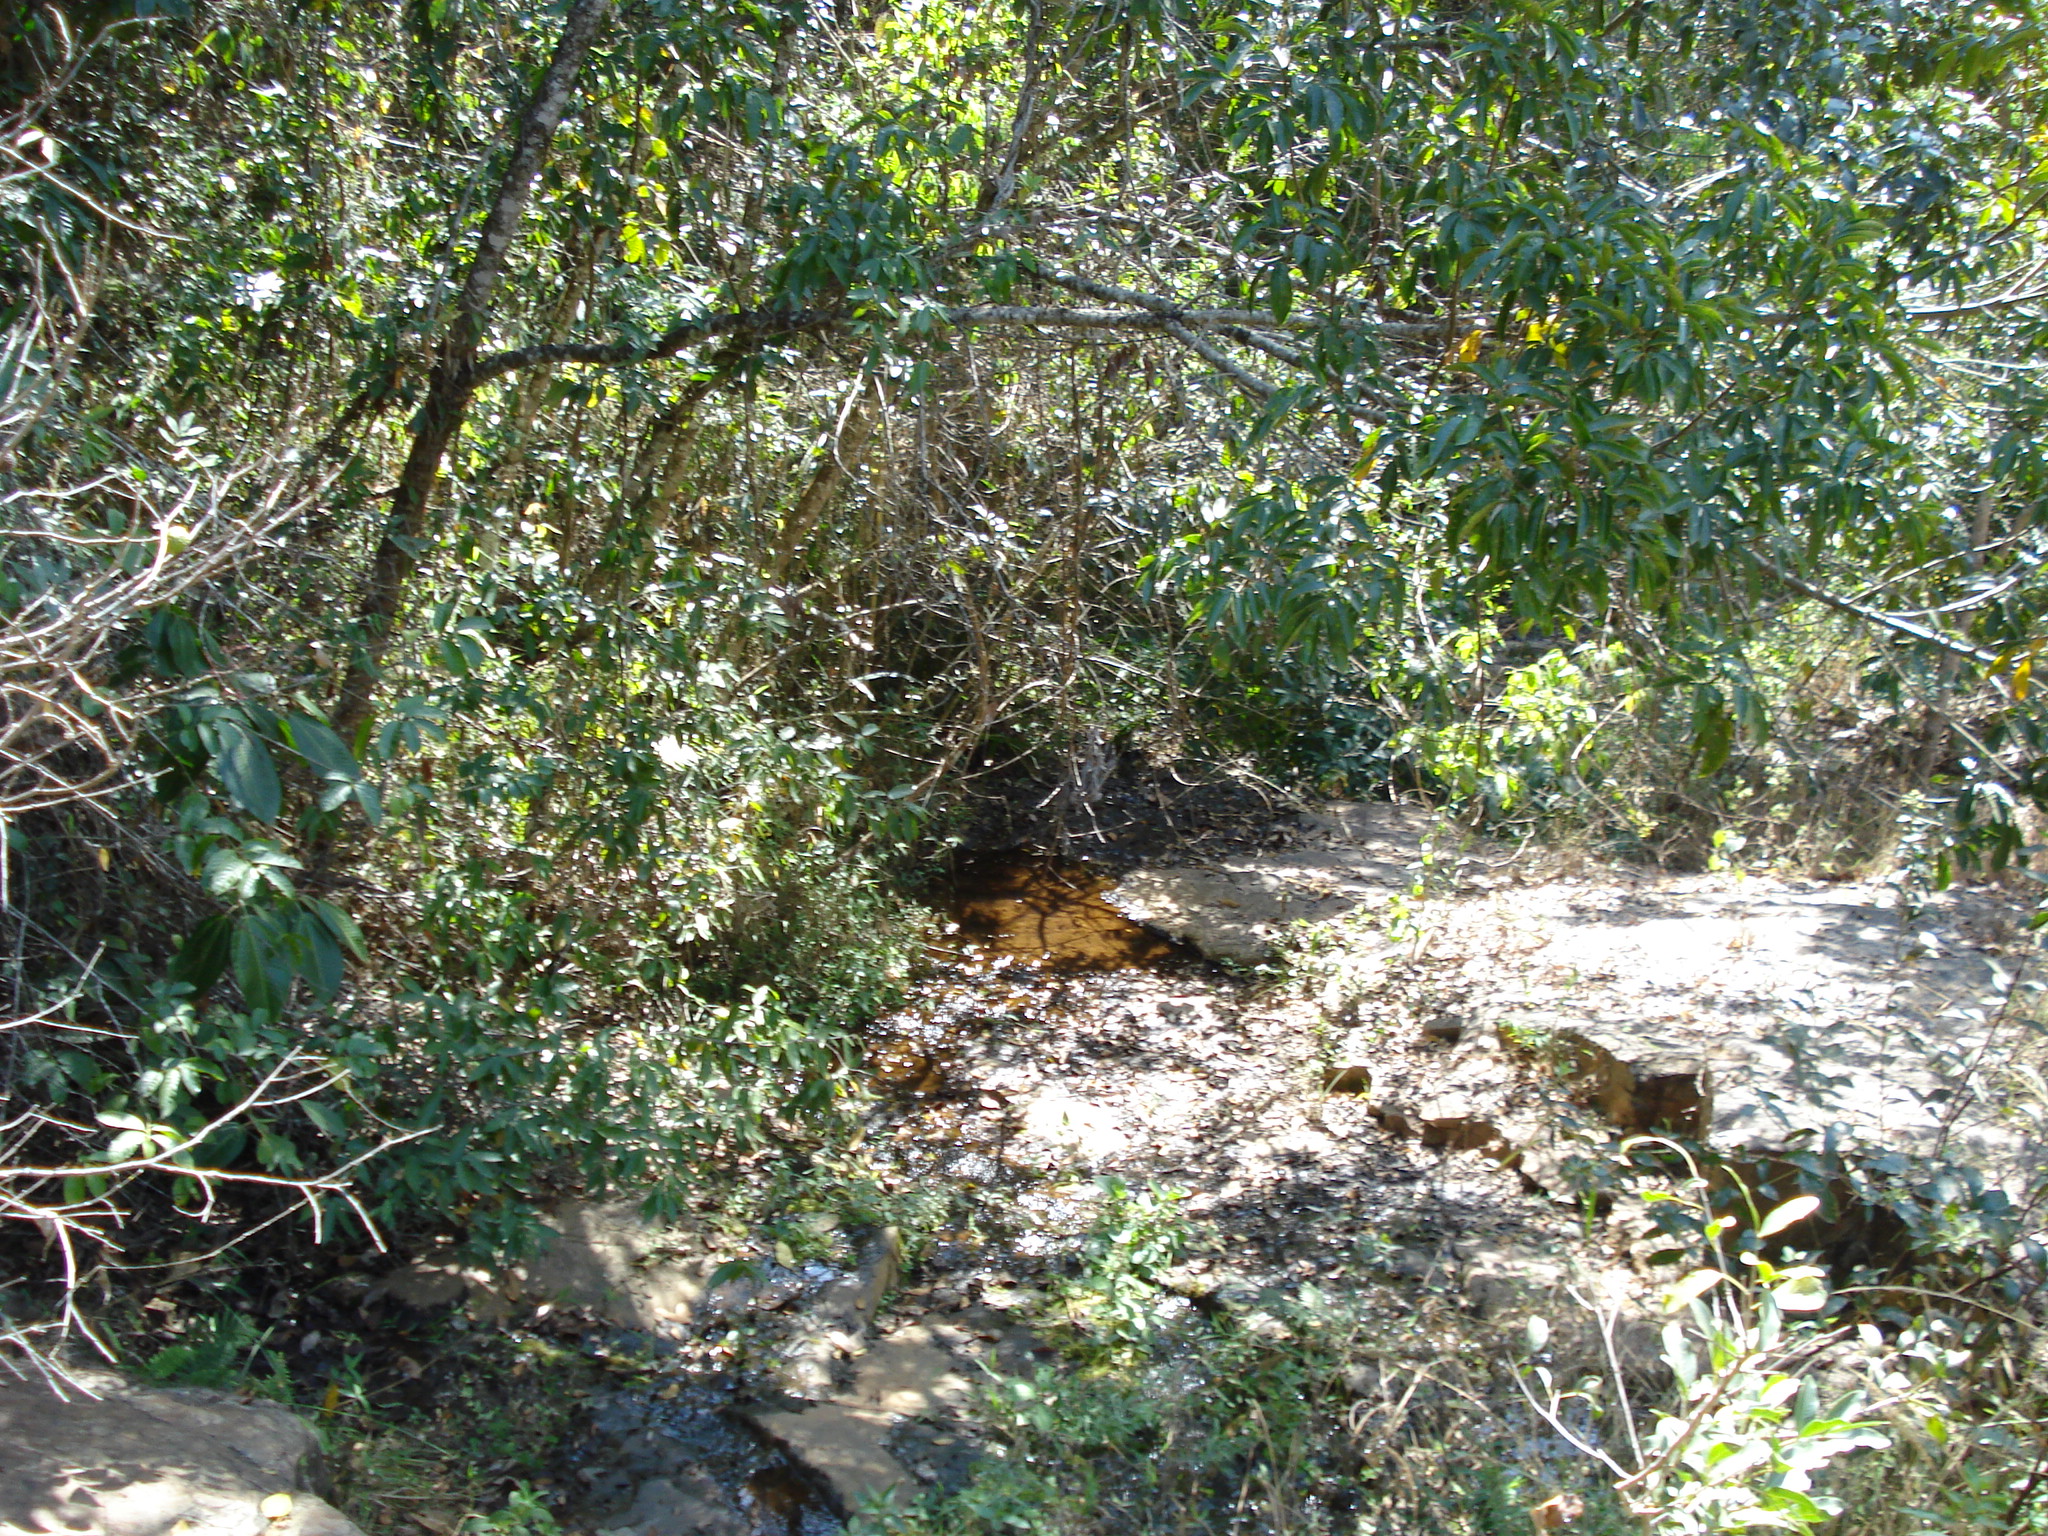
point(1013, 907)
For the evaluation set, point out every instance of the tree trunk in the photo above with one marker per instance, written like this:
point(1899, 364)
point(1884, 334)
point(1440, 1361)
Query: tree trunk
point(843, 450)
point(451, 386)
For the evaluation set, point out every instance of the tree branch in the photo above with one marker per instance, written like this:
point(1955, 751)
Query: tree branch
point(452, 384)
point(1896, 623)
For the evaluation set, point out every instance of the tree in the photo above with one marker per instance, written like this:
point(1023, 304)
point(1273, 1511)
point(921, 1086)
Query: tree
point(711, 433)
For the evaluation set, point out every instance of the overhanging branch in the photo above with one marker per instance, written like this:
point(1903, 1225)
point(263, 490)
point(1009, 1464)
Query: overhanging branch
point(1896, 623)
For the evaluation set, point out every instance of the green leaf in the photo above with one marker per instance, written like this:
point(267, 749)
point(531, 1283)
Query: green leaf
point(262, 970)
point(1792, 1502)
point(324, 1118)
point(203, 958)
point(341, 925)
point(731, 1271)
point(247, 772)
point(1280, 294)
point(322, 749)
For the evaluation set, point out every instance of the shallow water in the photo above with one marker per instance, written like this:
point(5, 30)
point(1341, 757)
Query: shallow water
point(1021, 907)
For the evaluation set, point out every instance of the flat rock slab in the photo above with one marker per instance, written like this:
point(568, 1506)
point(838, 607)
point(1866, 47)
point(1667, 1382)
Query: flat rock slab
point(844, 1444)
point(1757, 1014)
point(1237, 909)
point(111, 1458)
point(679, 1506)
point(912, 1374)
point(605, 1256)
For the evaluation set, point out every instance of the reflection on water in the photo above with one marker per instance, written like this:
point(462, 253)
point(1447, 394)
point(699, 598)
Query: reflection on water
point(1014, 907)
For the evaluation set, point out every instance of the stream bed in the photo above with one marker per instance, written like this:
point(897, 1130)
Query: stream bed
point(1051, 1045)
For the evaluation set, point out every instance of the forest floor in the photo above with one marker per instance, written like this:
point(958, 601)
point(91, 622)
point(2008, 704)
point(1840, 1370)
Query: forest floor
point(1413, 1113)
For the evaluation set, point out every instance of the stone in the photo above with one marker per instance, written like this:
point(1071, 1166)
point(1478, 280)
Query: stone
point(664, 1506)
point(912, 1374)
point(1453, 1122)
point(1450, 1122)
point(1355, 1078)
point(605, 1257)
point(1640, 1082)
point(1448, 1027)
point(846, 1445)
point(1349, 1060)
point(1238, 909)
point(837, 1321)
point(1499, 1280)
point(104, 1456)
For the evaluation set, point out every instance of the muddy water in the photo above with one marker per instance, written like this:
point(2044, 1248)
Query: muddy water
point(1015, 927)
point(1011, 907)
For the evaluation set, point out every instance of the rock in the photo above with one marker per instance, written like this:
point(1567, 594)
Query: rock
point(837, 1321)
point(1641, 1082)
point(130, 1460)
point(666, 1506)
point(1499, 1280)
point(1450, 1122)
point(1237, 909)
point(1455, 1123)
point(912, 1374)
point(845, 1445)
point(424, 1285)
point(1449, 1027)
point(1349, 1062)
point(605, 1257)
point(908, 1375)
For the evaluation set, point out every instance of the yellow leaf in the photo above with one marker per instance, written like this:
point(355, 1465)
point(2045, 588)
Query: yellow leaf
point(2022, 678)
point(1785, 1215)
point(1468, 349)
point(1692, 1288)
point(278, 1506)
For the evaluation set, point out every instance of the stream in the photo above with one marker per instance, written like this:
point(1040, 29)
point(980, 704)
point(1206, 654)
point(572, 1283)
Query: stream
point(1052, 1045)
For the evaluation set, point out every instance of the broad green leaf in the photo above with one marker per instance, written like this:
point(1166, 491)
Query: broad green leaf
point(247, 772)
point(322, 749)
point(203, 958)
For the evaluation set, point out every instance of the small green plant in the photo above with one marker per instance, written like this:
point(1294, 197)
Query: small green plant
point(224, 1351)
point(1116, 1301)
point(524, 1514)
point(1749, 1435)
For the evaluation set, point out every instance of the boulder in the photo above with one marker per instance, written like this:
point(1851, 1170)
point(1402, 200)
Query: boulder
point(604, 1256)
point(679, 1506)
point(1641, 1081)
point(99, 1455)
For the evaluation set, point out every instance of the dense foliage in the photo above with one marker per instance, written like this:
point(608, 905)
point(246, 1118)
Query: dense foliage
point(517, 515)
